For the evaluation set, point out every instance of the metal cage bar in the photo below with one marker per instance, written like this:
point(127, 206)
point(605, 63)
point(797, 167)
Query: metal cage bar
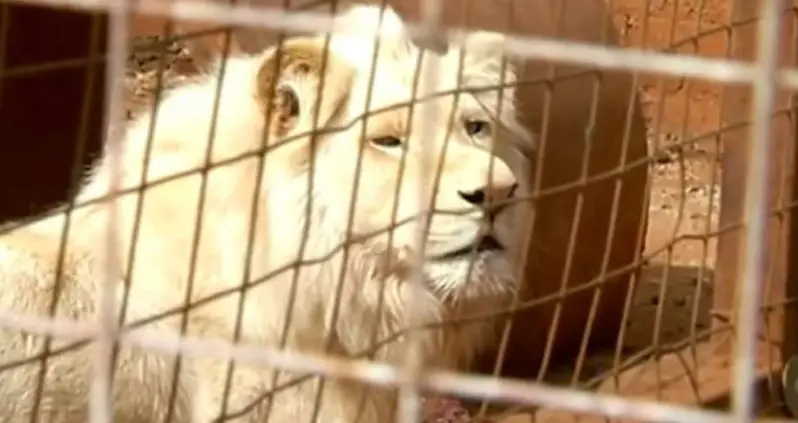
point(775, 326)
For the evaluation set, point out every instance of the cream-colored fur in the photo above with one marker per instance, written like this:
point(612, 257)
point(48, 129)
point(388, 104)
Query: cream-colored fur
point(375, 298)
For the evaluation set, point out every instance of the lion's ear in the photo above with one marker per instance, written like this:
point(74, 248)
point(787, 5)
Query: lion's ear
point(291, 79)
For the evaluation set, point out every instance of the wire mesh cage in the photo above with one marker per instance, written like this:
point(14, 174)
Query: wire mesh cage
point(639, 155)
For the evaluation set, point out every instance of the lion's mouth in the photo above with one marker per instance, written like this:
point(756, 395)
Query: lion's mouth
point(485, 243)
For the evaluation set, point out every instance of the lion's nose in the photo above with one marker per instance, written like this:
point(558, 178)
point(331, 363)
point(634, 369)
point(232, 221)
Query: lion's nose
point(486, 195)
point(482, 185)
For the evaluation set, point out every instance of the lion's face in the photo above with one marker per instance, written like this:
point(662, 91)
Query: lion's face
point(452, 152)
point(441, 146)
point(391, 154)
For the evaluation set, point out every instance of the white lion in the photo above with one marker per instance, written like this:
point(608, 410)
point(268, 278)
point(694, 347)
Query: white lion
point(375, 296)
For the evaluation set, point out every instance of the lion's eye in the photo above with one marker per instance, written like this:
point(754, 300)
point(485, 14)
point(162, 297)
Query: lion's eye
point(286, 109)
point(389, 142)
point(477, 128)
point(287, 101)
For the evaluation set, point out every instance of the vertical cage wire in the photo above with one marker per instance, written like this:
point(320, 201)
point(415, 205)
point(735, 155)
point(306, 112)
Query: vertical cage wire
point(101, 400)
point(763, 75)
point(755, 214)
point(409, 406)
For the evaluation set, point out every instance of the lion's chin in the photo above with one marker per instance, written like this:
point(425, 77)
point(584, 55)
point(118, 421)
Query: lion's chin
point(490, 274)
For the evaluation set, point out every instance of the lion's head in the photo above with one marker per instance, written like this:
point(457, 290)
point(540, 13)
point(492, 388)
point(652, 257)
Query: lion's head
point(388, 146)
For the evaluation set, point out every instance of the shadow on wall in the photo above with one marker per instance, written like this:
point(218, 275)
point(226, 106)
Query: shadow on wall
point(684, 301)
point(683, 294)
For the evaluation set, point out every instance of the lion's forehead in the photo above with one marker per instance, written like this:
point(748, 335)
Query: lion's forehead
point(390, 98)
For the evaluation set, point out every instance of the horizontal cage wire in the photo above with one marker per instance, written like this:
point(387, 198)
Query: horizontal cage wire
point(411, 210)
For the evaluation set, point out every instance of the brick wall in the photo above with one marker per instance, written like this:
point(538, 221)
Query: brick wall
point(670, 22)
